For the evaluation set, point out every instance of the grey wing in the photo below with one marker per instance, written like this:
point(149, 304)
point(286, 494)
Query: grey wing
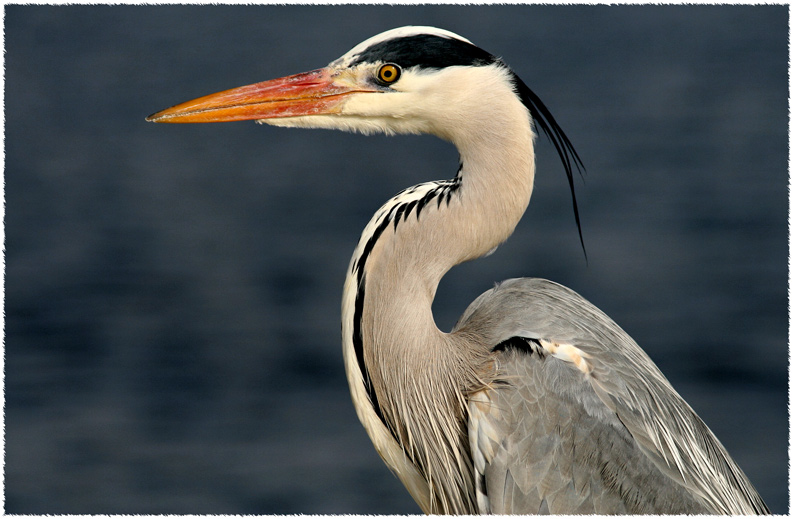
point(580, 420)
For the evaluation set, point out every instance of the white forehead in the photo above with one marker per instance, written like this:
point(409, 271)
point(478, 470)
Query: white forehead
point(399, 32)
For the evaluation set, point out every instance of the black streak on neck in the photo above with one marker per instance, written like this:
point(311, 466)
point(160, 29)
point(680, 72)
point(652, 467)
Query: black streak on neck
point(443, 190)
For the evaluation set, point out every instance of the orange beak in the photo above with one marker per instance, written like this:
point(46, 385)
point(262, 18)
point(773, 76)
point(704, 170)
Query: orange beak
point(311, 93)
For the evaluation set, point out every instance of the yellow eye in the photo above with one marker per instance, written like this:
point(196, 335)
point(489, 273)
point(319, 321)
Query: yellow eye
point(388, 73)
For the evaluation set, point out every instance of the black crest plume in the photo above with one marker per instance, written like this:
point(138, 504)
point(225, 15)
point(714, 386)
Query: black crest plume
point(546, 122)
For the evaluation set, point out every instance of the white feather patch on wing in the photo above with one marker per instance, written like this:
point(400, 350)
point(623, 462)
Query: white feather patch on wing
point(484, 440)
point(567, 353)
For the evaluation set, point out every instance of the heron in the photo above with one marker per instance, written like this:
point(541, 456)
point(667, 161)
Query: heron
point(535, 401)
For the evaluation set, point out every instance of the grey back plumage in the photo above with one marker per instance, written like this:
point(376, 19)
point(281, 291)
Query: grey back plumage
point(614, 437)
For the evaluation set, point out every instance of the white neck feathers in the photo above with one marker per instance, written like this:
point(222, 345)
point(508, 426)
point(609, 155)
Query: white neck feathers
point(390, 337)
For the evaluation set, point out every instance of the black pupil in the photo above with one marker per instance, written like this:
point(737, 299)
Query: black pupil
point(388, 73)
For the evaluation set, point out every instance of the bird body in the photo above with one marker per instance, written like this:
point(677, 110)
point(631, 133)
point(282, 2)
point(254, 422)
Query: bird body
point(621, 439)
point(536, 402)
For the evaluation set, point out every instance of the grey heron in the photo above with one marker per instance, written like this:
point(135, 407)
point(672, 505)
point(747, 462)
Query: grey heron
point(536, 401)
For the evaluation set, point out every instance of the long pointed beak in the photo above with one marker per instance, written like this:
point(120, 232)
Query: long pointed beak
point(309, 93)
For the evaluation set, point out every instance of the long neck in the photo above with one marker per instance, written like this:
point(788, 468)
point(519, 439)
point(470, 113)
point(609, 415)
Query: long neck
point(401, 366)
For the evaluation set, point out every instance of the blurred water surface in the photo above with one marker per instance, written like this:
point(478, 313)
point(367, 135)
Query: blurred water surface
point(172, 292)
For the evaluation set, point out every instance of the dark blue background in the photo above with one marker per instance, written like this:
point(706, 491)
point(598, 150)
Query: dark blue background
point(172, 292)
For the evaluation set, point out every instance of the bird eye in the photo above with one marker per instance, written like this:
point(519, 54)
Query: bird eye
point(388, 73)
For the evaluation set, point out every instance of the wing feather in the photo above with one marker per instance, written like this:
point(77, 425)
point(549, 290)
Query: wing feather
point(580, 420)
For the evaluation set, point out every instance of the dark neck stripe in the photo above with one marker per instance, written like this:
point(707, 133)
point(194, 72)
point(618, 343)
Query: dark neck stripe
point(443, 191)
point(426, 51)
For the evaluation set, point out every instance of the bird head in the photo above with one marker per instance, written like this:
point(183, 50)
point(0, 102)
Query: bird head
point(406, 80)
